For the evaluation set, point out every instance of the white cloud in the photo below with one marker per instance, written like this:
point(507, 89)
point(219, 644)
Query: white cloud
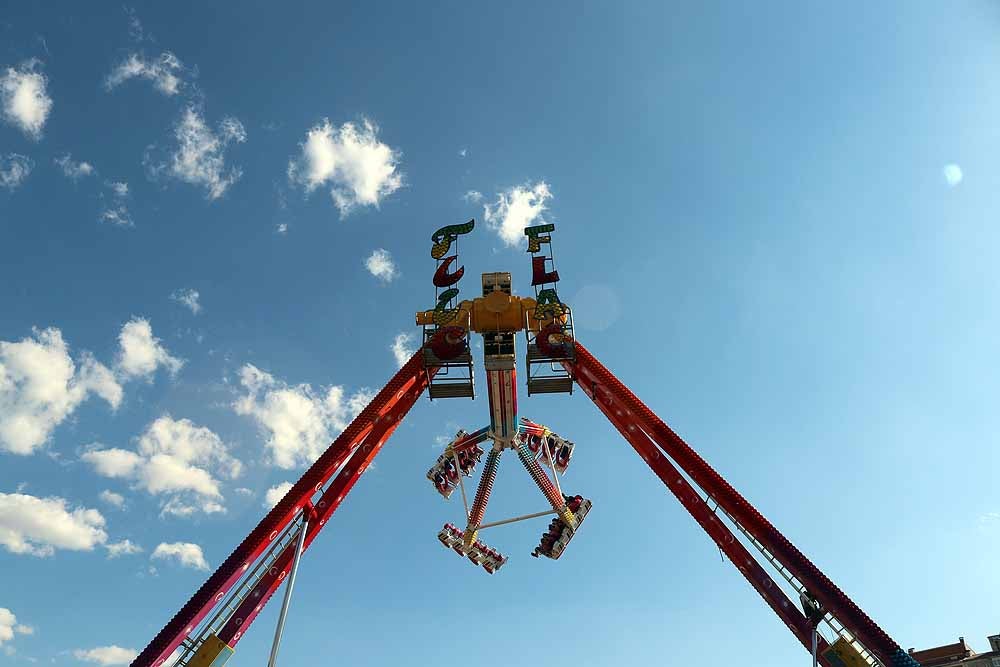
point(141, 353)
point(115, 463)
point(38, 526)
point(360, 169)
point(276, 493)
point(9, 626)
point(106, 655)
point(25, 102)
point(115, 209)
point(402, 348)
point(123, 548)
point(177, 460)
point(299, 422)
point(112, 498)
point(14, 169)
point(952, 174)
point(7, 622)
point(185, 553)
point(199, 158)
point(282, 228)
point(74, 170)
point(189, 298)
point(243, 491)
point(473, 196)
point(463, 152)
point(516, 208)
point(40, 386)
point(163, 72)
point(380, 265)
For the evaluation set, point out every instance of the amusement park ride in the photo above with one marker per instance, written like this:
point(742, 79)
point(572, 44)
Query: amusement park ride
point(206, 630)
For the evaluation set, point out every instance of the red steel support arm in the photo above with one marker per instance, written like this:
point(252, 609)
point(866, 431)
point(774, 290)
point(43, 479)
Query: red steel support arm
point(386, 408)
point(618, 402)
point(748, 566)
point(234, 629)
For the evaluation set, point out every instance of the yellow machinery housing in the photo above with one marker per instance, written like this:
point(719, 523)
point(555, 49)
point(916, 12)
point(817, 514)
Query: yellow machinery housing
point(213, 652)
point(843, 654)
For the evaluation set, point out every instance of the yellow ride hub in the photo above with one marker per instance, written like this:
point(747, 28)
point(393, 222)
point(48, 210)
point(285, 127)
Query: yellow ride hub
point(470, 538)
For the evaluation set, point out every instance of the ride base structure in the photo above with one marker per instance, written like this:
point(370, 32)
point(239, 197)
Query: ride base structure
point(206, 630)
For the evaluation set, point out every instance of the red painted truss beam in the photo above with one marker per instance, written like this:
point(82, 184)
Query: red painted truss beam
point(748, 566)
point(386, 407)
point(234, 629)
point(616, 400)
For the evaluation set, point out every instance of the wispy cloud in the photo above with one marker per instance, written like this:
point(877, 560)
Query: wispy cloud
point(42, 386)
point(403, 348)
point(175, 460)
point(164, 72)
point(112, 498)
point(199, 157)
point(188, 298)
point(299, 422)
point(74, 170)
point(380, 265)
point(359, 169)
point(24, 98)
point(141, 353)
point(14, 169)
point(106, 656)
point(39, 526)
point(114, 207)
point(274, 494)
point(186, 554)
point(516, 208)
point(123, 548)
point(135, 30)
point(9, 626)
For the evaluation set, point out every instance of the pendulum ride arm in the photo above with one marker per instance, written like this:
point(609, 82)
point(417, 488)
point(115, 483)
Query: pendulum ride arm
point(544, 484)
point(478, 509)
point(349, 454)
point(655, 442)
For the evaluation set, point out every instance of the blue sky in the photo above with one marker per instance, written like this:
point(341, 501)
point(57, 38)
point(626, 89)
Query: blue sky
point(777, 225)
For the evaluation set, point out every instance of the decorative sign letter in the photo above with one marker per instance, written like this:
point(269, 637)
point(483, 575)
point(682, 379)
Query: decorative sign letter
point(548, 305)
point(443, 237)
point(538, 274)
point(444, 279)
point(535, 238)
point(443, 315)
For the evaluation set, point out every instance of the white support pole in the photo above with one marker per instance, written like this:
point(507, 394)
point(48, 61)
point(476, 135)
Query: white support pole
point(552, 465)
point(517, 518)
point(288, 590)
point(461, 484)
